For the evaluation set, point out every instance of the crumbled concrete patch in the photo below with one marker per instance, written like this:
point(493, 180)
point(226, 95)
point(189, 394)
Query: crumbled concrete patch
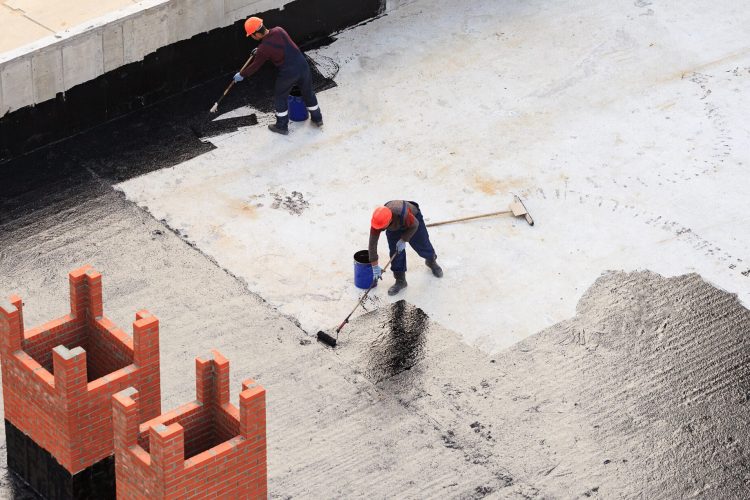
point(293, 202)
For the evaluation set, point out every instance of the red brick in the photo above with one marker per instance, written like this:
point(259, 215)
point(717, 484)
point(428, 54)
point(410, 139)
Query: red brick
point(59, 378)
point(195, 451)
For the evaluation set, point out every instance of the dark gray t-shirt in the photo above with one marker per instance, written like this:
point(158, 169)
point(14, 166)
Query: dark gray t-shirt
point(409, 223)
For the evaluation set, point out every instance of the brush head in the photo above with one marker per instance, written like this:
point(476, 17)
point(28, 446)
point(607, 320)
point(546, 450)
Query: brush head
point(326, 339)
point(214, 108)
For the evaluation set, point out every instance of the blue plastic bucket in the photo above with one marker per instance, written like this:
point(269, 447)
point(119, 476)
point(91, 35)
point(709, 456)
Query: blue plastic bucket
point(297, 108)
point(362, 270)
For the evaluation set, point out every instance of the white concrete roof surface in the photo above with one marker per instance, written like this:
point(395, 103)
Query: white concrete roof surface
point(26, 21)
point(623, 125)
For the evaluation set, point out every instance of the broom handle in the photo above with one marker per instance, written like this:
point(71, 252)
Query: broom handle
point(433, 224)
point(231, 84)
point(364, 296)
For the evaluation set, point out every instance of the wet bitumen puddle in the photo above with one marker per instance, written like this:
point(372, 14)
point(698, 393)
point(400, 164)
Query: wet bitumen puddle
point(387, 341)
point(400, 343)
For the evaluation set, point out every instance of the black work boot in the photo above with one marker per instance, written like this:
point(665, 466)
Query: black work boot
point(437, 271)
point(316, 117)
point(278, 130)
point(281, 126)
point(399, 284)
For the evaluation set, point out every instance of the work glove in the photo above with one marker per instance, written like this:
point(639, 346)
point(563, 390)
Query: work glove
point(377, 272)
point(238, 78)
point(400, 246)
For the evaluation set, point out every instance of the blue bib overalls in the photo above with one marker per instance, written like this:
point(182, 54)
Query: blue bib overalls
point(294, 71)
point(420, 242)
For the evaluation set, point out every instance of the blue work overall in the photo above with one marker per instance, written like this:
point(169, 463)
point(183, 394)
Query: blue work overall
point(420, 242)
point(294, 71)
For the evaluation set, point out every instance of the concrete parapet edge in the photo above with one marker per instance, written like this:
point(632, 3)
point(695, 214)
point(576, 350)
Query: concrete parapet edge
point(38, 71)
point(171, 71)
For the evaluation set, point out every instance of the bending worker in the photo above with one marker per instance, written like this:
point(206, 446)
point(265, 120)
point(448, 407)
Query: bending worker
point(276, 46)
point(403, 223)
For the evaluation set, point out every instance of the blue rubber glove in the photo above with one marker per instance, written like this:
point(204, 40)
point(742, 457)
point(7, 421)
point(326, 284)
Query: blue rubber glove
point(400, 246)
point(238, 78)
point(377, 272)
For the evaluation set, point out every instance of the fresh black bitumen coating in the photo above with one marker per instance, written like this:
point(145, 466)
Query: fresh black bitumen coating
point(400, 344)
point(210, 128)
point(196, 71)
point(160, 136)
point(48, 478)
point(360, 256)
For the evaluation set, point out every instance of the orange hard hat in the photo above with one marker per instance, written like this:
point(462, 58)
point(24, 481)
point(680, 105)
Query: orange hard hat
point(381, 217)
point(252, 25)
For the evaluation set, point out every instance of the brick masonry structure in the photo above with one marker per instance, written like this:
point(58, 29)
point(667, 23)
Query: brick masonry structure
point(204, 449)
point(58, 382)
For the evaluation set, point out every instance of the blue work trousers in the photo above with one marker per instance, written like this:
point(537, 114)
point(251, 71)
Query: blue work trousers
point(294, 71)
point(420, 242)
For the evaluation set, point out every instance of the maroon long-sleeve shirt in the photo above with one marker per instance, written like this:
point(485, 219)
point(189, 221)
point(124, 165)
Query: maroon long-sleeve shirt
point(268, 52)
point(410, 224)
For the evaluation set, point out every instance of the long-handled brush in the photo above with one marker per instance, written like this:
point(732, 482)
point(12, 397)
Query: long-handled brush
point(215, 107)
point(517, 208)
point(199, 127)
point(329, 340)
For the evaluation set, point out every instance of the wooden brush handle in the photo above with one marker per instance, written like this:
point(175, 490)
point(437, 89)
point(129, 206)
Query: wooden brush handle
point(433, 224)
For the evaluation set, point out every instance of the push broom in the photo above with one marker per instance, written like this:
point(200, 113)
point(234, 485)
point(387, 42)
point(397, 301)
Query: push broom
point(329, 340)
point(517, 208)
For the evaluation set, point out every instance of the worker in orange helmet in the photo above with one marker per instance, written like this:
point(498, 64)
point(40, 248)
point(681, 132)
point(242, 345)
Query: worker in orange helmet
point(403, 223)
point(276, 46)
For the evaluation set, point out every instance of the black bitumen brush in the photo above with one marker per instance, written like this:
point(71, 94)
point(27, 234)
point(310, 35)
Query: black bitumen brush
point(329, 340)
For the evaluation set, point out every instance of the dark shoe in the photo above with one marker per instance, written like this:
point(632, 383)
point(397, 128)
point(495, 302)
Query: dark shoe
point(278, 130)
point(437, 271)
point(318, 124)
point(399, 284)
